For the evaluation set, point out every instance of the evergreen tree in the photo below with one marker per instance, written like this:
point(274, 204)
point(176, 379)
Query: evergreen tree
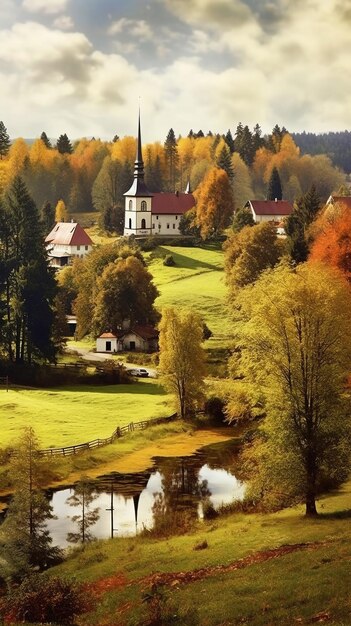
point(274, 191)
point(305, 212)
point(224, 161)
point(48, 217)
point(228, 138)
point(247, 150)
point(172, 161)
point(238, 138)
point(84, 495)
point(5, 142)
point(45, 139)
point(242, 217)
point(153, 174)
point(257, 139)
point(116, 138)
point(64, 145)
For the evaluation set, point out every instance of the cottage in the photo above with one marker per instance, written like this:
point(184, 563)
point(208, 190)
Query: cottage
point(153, 213)
point(138, 338)
point(269, 210)
point(66, 241)
point(342, 201)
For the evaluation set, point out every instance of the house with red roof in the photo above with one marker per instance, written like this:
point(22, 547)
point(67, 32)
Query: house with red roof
point(66, 241)
point(269, 210)
point(149, 213)
point(343, 201)
point(139, 338)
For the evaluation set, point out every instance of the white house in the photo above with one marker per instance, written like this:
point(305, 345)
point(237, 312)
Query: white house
point(139, 338)
point(153, 213)
point(66, 241)
point(269, 210)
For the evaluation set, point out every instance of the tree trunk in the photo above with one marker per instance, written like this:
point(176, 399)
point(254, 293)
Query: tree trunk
point(310, 496)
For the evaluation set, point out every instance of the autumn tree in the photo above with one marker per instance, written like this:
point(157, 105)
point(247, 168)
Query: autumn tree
point(293, 331)
point(61, 213)
point(214, 204)
point(108, 189)
point(332, 244)
point(83, 496)
point(182, 358)
point(249, 252)
point(242, 217)
point(305, 211)
point(45, 139)
point(274, 191)
point(5, 141)
point(25, 538)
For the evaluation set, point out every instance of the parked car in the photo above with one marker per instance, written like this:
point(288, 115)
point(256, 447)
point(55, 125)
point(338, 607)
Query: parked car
point(140, 372)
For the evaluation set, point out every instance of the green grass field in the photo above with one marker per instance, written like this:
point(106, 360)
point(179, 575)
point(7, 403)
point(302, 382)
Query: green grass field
point(196, 281)
point(309, 585)
point(73, 415)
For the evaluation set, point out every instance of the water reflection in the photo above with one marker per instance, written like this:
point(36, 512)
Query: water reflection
point(174, 490)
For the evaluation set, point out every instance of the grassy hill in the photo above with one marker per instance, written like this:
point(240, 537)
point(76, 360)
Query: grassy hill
point(271, 569)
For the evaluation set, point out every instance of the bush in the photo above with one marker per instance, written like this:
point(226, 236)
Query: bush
point(41, 599)
point(169, 261)
point(214, 409)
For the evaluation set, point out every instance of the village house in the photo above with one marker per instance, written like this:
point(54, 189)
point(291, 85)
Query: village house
point(138, 338)
point(269, 210)
point(343, 201)
point(66, 241)
point(149, 213)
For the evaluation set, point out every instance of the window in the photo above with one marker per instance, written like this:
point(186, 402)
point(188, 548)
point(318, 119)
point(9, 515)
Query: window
point(130, 223)
point(130, 204)
point(159, 226)
point(157, 217)
point(167, 225)
point(143, 224)
point(173, 226)
point(176, 217)
point(153, 226)
point(86, 247)
point(143, 205)
point(78, 247)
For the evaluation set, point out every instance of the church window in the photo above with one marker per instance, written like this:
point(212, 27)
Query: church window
point(130, 223)
point(159, 226)
point(176, 217)
point(173, 225)
point(167, 225)
point(130, 204)
point(153, 226)
point(157, 217)
point(143, 205)
point(143, 223)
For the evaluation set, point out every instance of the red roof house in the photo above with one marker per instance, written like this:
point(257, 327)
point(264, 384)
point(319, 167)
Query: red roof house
point(66, 241)
point(269, 210)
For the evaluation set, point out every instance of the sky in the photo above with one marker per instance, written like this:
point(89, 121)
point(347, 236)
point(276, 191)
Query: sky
point(80, 66)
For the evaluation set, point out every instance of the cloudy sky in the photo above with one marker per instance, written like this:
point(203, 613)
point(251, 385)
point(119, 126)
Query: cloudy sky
point(79, 66)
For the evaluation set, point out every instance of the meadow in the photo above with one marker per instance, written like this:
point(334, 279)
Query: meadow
point(72, 415)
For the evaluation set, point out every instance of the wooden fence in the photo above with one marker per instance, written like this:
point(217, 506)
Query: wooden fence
point(120, 431)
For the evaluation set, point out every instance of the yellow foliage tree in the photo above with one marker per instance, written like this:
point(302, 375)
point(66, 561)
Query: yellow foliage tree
point(18, 156)
point(214, 203)
point(182, 358)
point(61, 213)
point(124, 149)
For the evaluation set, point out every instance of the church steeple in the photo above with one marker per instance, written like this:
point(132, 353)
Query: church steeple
point(138, 187)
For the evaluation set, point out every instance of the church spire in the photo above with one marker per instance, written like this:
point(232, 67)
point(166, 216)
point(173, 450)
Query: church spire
point(139, 163)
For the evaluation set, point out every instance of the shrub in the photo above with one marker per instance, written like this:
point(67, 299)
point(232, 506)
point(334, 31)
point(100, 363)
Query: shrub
point(169, 261)
point(41, 599)
point(214, 408)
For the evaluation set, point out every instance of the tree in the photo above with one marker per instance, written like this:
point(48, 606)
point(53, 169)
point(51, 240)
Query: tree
point(124, 291)
point(27, 543)
point(109, 186)
point(224, 161)
point(293, 329)
point(332, 244)
point(5, 141)
point(274, 191)
point(45, 139)
point(48, 217)
point(229, 141)
point(242, 217)
point(64, 145)
point(305, 211)
point(61, 213)
point(83, 496)
point(172, 160)
point(214, 204)
point(248, 253)
point(30, 283)
point(182, 359)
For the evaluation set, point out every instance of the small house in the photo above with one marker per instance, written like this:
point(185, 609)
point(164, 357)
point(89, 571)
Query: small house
point(66, 241)
point(138, 338)
point(269, 210)
point(107, 342)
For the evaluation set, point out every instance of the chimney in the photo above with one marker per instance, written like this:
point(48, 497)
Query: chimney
point(276, 199)
point(177, 193)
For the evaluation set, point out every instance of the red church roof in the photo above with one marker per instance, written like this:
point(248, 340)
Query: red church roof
point(69, 234)
point(344, 201)
point(271, 207)
point(172, 203)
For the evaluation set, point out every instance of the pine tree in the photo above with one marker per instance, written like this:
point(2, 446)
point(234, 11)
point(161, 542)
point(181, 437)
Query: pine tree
point(48, 217)
point(172, 160)
point(224, 161)
point(228, 138)
point(5, 142)
point(84, 495)
point(45, 139)
point(274, 191)
point(257, 139)
point(64, 145)
point(305, 212)
point(247, 149)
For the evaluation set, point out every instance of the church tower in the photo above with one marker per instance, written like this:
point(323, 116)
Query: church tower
point(138, 217)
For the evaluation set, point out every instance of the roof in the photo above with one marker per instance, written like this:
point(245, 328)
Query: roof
point(107, 336)
point(68, 233)
point(172, 203)
point(145, 331)
point(138, 189)
point(342, 200)
point(270, 207)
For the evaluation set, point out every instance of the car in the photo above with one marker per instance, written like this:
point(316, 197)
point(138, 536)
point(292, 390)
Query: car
point(140, 372)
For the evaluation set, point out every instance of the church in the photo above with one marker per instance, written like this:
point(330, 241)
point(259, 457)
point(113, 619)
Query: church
point(149, 213)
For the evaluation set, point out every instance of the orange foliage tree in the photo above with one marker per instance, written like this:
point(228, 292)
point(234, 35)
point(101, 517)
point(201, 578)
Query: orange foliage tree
point(332, 244)
point(214, 203)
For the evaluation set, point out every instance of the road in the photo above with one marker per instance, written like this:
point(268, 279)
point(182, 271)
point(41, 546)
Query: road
point(89, 355)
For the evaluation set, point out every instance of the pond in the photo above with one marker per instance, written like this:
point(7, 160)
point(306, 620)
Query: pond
point(172, 489)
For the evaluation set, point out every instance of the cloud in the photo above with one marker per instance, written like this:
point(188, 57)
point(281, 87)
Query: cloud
point(224, 14)
point(139, 29)
point(63, 22)
point(45, 6)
